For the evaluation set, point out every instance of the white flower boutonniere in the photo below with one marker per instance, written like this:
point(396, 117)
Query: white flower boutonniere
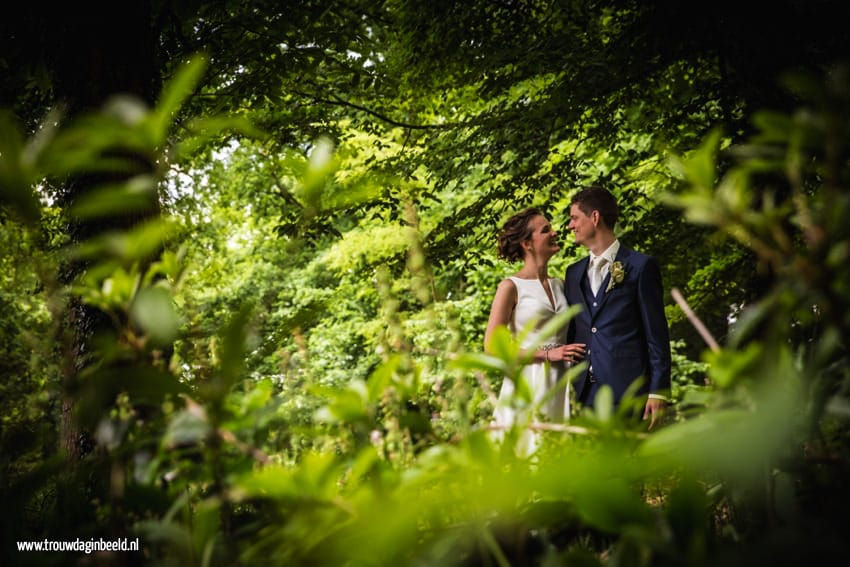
point(617, 275)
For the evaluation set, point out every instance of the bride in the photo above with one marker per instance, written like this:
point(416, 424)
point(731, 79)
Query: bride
point(531, 297)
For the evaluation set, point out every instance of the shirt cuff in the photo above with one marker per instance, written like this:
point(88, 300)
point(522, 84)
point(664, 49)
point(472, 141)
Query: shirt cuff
point(658, 397)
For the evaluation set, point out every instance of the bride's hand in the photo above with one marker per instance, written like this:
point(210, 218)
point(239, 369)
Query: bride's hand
point(572, 353)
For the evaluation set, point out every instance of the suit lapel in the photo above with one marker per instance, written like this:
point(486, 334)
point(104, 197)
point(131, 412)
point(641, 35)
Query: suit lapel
point(579, 275)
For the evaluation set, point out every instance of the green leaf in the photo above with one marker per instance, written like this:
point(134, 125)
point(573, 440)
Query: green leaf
point(728, 367)
point(108, 286)
point(315, 478)
point(382, 377)
point(478, 361)
point(153, 310)
point(170, 265)
point(698, 168)
point(555, 326)
point(610, 504)
point(101, 143)
point(233, 346)
point(206, 528)
point(773, 127)
point(345, 405)
point(135, 195)
point(187, 427)
point(603, 404)
point(203, 130)
point(174, 94)
point(139, 243)
point(696, 397)
point(17, 180)
point(146, 386)
point(502, 345)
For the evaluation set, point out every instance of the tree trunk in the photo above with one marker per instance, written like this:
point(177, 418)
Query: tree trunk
point(95, 53)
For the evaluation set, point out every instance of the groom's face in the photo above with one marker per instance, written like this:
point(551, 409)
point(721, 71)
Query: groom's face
point(582, 225)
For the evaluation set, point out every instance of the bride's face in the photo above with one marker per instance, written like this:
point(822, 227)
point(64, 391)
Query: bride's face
point(544, 239)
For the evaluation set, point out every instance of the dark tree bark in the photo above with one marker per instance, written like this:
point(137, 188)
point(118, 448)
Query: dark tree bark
point(94, 53)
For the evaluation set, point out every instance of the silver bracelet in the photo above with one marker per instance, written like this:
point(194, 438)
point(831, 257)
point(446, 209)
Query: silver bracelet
point(547, 347)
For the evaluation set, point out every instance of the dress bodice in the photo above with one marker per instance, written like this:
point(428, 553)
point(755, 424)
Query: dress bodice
point(542, 380)
point(533, 304)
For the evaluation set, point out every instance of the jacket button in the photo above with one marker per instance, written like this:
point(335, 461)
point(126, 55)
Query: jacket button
point(593, 330)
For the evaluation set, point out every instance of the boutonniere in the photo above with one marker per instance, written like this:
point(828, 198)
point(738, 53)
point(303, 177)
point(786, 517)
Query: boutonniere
point(617, 275)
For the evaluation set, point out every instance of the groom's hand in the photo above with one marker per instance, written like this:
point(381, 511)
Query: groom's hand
point(653, 411)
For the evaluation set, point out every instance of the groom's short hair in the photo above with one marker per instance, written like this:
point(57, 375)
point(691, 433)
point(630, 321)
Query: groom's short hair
point(595, 198)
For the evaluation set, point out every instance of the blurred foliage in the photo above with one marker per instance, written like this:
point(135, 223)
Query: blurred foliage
point(289, 370)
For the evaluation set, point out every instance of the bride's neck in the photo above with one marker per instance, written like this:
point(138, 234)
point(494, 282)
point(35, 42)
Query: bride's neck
point(532, 271)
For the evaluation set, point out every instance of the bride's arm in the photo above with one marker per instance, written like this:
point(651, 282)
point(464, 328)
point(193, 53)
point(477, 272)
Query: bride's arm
point(501, 310)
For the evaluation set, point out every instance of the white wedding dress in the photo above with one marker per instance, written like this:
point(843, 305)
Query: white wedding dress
point(533, 304)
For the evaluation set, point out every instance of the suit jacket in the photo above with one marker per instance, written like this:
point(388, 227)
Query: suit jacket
point(625, 329)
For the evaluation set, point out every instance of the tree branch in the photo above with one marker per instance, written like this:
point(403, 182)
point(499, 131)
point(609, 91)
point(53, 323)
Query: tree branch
point(338, 100)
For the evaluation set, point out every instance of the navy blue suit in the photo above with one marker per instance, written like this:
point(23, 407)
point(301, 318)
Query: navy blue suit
point(625, 328)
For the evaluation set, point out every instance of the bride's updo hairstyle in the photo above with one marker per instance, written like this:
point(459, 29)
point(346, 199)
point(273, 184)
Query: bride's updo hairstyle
point(515, 231)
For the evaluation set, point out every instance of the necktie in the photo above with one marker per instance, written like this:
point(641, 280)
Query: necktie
point(597, 263)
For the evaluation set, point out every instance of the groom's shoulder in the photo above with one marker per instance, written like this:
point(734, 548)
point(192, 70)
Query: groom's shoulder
point(636, 258)
point(632, 254)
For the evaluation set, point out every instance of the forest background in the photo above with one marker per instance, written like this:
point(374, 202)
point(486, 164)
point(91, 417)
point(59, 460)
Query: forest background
point(248, 251)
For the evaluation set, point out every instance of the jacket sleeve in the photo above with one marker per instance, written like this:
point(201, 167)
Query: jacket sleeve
point(651, 295)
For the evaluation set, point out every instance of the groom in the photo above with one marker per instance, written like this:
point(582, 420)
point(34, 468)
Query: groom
point(623, 322)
